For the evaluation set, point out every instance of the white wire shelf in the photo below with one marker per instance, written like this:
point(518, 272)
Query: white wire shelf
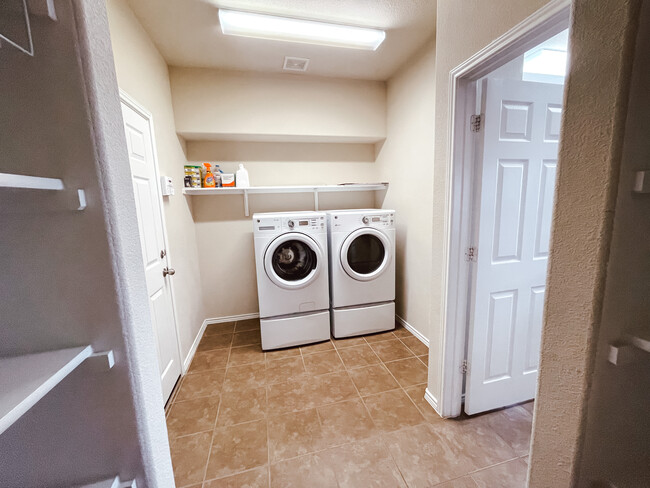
point(315, 189)
point(26, 379)
point(24, 194)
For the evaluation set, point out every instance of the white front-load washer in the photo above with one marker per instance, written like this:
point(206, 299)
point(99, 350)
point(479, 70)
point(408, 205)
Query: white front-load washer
point(362, 271)
point(291, 258)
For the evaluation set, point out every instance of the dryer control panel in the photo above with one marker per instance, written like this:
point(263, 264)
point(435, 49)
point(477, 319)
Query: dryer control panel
point(377, 220)
point(354, 220)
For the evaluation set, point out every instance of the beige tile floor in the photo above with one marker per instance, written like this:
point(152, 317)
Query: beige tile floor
point(343, 413)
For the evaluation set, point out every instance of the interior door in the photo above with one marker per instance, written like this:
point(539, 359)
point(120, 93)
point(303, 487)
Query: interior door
point(147, 201)
point(519, 159)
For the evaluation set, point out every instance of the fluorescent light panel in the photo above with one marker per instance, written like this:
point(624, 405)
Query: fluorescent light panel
point(262, 26)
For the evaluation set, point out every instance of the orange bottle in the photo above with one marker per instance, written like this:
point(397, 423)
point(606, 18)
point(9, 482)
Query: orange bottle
point(208, 179)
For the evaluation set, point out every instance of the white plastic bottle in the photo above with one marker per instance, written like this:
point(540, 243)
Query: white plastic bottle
point(242, 180)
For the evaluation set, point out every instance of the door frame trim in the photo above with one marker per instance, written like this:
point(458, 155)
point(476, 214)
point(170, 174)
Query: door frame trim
point(544, 23)
point(139, 108)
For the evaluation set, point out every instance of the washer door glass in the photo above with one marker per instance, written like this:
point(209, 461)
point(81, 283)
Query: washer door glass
point(293, 260)
point(366, 254)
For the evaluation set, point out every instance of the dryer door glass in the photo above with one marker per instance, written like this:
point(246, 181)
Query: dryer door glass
point(293, 260)
point(366, 254)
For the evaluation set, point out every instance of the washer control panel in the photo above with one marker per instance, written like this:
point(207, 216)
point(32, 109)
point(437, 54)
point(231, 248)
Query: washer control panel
point(298, 223)
point(308, 223)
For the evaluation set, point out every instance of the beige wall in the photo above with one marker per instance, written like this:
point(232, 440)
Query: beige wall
point(406, 161)
point(142, 73)
point(456, 42)
point(586, 217)
point(215, 104)
point(225, 235)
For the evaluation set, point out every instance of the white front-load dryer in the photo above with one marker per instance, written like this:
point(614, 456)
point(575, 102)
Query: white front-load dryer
point(291, 259)
point(362, 271)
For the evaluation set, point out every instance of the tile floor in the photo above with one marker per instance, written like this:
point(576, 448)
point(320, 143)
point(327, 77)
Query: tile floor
point(343, 413)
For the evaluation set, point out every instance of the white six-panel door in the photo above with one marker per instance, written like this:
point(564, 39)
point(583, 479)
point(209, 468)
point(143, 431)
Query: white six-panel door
point(517, 181)
point(147, 202)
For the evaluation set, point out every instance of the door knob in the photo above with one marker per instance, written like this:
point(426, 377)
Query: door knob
point(169, 271)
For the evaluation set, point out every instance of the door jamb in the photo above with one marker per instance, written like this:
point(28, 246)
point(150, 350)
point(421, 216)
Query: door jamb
point(546, 22)
point(136, 106)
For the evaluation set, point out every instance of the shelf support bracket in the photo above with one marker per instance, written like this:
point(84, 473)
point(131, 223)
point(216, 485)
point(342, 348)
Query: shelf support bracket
point(316, 199)
point(81, 194)
point(620, 354)
point(42, 7)
point(246, 211)
point(102, 361)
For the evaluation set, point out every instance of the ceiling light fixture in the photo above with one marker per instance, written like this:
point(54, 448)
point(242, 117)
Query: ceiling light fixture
point(262, 26)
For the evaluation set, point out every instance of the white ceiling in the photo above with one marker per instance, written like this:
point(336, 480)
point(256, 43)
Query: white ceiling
point(187, 33)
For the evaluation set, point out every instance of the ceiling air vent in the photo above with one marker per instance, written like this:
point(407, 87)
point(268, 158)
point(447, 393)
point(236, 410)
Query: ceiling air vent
point(295, 64)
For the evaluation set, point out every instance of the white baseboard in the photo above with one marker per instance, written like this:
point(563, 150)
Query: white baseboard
point(413, 330)
point(431, 400)
point(195, 344)
point(206, 322)
point(232, 318)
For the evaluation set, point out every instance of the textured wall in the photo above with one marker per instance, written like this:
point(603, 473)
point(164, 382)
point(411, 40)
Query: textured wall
point(596, 97)
point(142, 74)
point(617, 441)
point(463, 28)
point(75, 278)
point(406, 161)
point(230, 104)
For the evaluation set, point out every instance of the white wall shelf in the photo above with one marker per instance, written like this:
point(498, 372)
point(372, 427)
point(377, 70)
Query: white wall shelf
point(315, 189)
point(38, 194)
point(640, 339)
point(25, 379)
point(641, 182)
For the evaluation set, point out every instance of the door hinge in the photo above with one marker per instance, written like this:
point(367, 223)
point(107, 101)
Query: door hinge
point(471, 254)
point(475, 123)
point(464, 366)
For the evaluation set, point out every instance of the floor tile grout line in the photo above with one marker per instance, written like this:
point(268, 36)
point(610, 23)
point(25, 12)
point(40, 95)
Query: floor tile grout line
point(268, 434)
point(247, 470)
point(470, 473)
point(319, 451)
point(191, 434)
point(315, 407)
point(387, 447)
point(400, 384)
point(359, 393)
point(407, 347)
point(214, 428)
point(377, 434)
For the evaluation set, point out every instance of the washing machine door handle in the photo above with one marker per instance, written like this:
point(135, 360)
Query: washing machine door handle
point(293, 260)
point(369, 257)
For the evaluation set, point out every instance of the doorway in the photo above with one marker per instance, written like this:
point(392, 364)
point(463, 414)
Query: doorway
point(506, 123)
point(138, 128)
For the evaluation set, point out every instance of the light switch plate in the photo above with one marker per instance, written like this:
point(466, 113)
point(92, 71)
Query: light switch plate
point(642, 182)
point(166, 186)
